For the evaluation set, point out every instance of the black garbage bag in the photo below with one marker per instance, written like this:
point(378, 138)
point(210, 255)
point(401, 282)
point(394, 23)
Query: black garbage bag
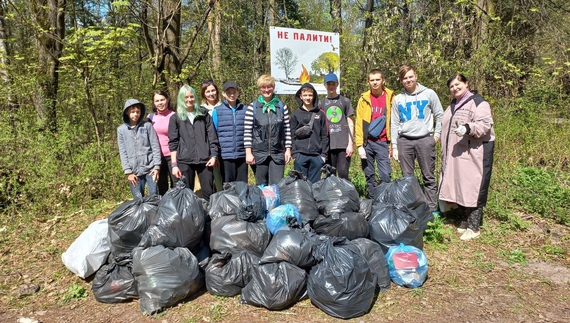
point(292, 245)
point(228, 273)
point(392, 224)
point(376, 258)
point(114, 282)
point(404, 191)
point(252, 206)
point(129, 222)
point(179, 221)
point(366, 207)
point(334, 194)
point(232, 235)
point(224, 203)
point(351, 225)
point(297, 190)
point(165, 277)
point(275, 286)
point(342, 284)
point(203, 254)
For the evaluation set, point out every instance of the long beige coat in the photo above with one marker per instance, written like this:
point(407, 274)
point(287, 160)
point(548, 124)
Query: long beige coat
point(467, 161)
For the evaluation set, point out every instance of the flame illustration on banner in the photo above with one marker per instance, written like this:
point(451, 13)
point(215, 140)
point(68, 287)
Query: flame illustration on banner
point(304, 77)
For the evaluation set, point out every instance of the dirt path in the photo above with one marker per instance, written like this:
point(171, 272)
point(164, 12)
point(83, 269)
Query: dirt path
point(504, 276)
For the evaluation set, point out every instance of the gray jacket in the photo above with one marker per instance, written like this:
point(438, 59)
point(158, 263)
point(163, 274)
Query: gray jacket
point(413, 114)
point(138, 146)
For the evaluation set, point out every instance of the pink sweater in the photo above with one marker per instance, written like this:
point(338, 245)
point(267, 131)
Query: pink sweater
point(160, 125)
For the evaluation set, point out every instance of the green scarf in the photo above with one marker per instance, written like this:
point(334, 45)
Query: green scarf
point(271, 104)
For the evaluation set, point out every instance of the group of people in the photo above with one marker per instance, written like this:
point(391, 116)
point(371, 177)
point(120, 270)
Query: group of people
point(219, 138)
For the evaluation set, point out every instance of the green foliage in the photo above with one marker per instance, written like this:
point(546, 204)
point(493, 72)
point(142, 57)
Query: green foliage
point(541, 192)
point(437, 233)
point(48, 174)
point(554, 250)
point(515, 256)
point(326, 63)
point(75, 292)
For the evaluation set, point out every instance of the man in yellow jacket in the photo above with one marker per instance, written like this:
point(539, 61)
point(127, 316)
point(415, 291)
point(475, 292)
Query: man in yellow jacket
point(372, 131)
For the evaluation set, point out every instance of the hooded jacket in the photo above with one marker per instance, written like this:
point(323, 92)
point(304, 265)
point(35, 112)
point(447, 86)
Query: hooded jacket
point(138, 145)
point(364, 116)
point(413, 114)
point(318, 143)
point(194, 143)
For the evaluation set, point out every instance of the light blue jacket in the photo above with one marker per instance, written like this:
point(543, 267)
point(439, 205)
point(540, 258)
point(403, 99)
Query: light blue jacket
point(138, 146)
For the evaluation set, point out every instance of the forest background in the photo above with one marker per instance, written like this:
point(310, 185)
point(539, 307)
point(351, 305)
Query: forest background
point(67, 67)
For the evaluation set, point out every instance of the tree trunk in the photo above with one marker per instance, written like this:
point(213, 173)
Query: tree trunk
point(162, 39)
point(4, 61)
point(336, 15)
point(216, 42)
point(50, 19)
point(485, 10)
point(369, 14)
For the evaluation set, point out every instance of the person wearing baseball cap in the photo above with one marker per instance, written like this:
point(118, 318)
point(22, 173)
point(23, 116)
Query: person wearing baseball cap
point(228, 118)
point(339, 112)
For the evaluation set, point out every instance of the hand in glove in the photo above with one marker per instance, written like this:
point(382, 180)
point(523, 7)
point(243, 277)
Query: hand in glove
point(362, 152)
point(395, 154)
point(460, 130)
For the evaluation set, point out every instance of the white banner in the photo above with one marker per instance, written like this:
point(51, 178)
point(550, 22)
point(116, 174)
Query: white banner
point(301, 56)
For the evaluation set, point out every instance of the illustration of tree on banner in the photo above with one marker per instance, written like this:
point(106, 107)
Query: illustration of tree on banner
point(328, 62)
point(286, 60)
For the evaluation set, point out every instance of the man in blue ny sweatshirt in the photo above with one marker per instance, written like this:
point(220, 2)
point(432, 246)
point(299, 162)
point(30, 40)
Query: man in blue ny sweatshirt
point(413, 133)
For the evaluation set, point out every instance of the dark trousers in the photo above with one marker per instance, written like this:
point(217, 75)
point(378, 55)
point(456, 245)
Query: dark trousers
point(234, 170)
point(473, 216)
point(422, 149)
point(310, 166)
point(339, 161)
point(376, 152)
point(268, 172)
point(205, 176)
point(165, 178)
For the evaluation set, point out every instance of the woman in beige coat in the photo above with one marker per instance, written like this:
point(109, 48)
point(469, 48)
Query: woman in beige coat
point(467, 143)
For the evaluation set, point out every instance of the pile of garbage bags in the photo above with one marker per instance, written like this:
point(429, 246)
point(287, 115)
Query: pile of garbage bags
point(273, 245)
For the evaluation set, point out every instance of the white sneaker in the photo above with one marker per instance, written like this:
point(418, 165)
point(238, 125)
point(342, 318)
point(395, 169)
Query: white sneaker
point(469, 234)
point(462, 227)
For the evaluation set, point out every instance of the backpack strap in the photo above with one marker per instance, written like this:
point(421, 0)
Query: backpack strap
point(150, 116)
point(312, 120)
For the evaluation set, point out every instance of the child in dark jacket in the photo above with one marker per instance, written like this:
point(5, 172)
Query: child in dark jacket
point(139, 149)
point(309, 132)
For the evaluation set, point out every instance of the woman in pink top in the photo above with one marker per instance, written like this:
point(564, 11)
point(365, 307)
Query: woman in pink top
point(159, 119)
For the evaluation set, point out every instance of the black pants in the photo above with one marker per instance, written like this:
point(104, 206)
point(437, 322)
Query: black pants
point(234, 170)
point(268, 172)
point(165, 178)
point(339, 161)
point(205, 175)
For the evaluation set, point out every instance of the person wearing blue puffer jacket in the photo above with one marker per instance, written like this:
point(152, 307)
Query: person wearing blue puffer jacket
point(228, 118)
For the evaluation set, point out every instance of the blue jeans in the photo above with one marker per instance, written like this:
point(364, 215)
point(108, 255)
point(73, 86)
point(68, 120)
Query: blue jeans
point(376, 151)
point(310, 166)
point(138, 190)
